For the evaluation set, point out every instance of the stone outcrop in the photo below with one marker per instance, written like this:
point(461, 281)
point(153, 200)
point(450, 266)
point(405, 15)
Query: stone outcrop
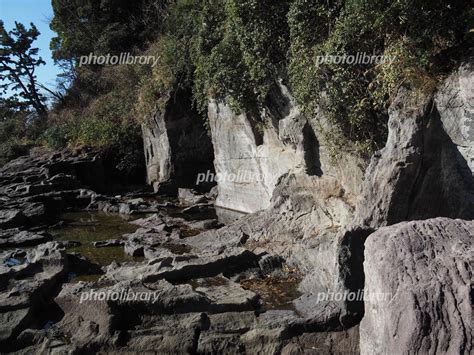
point(177, 146)
point(252, 154)
point(418, 286)
point(319, 223)
point(264, 283)
point(36, 187)
point(426, 167)
point(26, 288)
point(15, 238)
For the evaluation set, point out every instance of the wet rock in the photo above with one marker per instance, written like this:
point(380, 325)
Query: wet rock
point(190, 197)
point(418, 288)
point(108, 243)
point(12, 238)
point(27, 288)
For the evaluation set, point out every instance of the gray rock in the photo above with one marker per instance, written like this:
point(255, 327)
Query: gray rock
point(425, 169)
point(108, 243)
point(270, 263)
point(230, 298)
point(454, 101)
point(190, 197)
point(186, 267)
point(232, 322)
point(156, 255)
point(248, 160)
point(343, 342)
point(28, 287)
point(84, 321)
point(220, 343)
point(12, 238)
point(12, 218)
point(133, 247)
point(418, 288)
point(177, 147)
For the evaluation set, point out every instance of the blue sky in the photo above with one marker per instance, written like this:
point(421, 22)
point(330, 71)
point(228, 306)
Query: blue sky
point(40, 13)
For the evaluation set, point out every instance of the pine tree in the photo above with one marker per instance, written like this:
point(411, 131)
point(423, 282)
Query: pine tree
point(18, 63)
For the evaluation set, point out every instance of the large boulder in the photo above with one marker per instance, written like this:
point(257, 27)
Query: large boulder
point(418, 288)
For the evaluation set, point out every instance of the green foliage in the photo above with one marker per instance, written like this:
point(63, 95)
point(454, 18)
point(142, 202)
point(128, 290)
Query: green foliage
point(14, 140)
point(56, 136)
point(237, 50)
point(356, 97)
point(18, 62)
point(243, 63)
point(104, 123)
point(104, 26)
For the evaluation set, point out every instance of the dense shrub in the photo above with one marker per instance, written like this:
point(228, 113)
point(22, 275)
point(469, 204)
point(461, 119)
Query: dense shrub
point(237, 50)
point(15, 135)
point(356, 96)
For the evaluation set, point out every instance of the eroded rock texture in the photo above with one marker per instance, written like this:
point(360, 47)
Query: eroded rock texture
point(425, 169)
point(253, 154)
point(35, 187)
point(425, 268)
point(177, 146)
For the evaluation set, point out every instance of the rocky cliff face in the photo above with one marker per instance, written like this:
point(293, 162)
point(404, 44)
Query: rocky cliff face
point(319, 222)
point(319, 229)
point(253, 154)
point(177, 146)
point(426, 167)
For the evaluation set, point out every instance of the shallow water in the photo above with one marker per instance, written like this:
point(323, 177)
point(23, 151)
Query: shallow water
point(89, 227)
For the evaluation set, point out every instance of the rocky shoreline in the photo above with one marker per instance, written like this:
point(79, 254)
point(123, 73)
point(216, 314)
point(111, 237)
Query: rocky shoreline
point(209, 291)
point(328, 260)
